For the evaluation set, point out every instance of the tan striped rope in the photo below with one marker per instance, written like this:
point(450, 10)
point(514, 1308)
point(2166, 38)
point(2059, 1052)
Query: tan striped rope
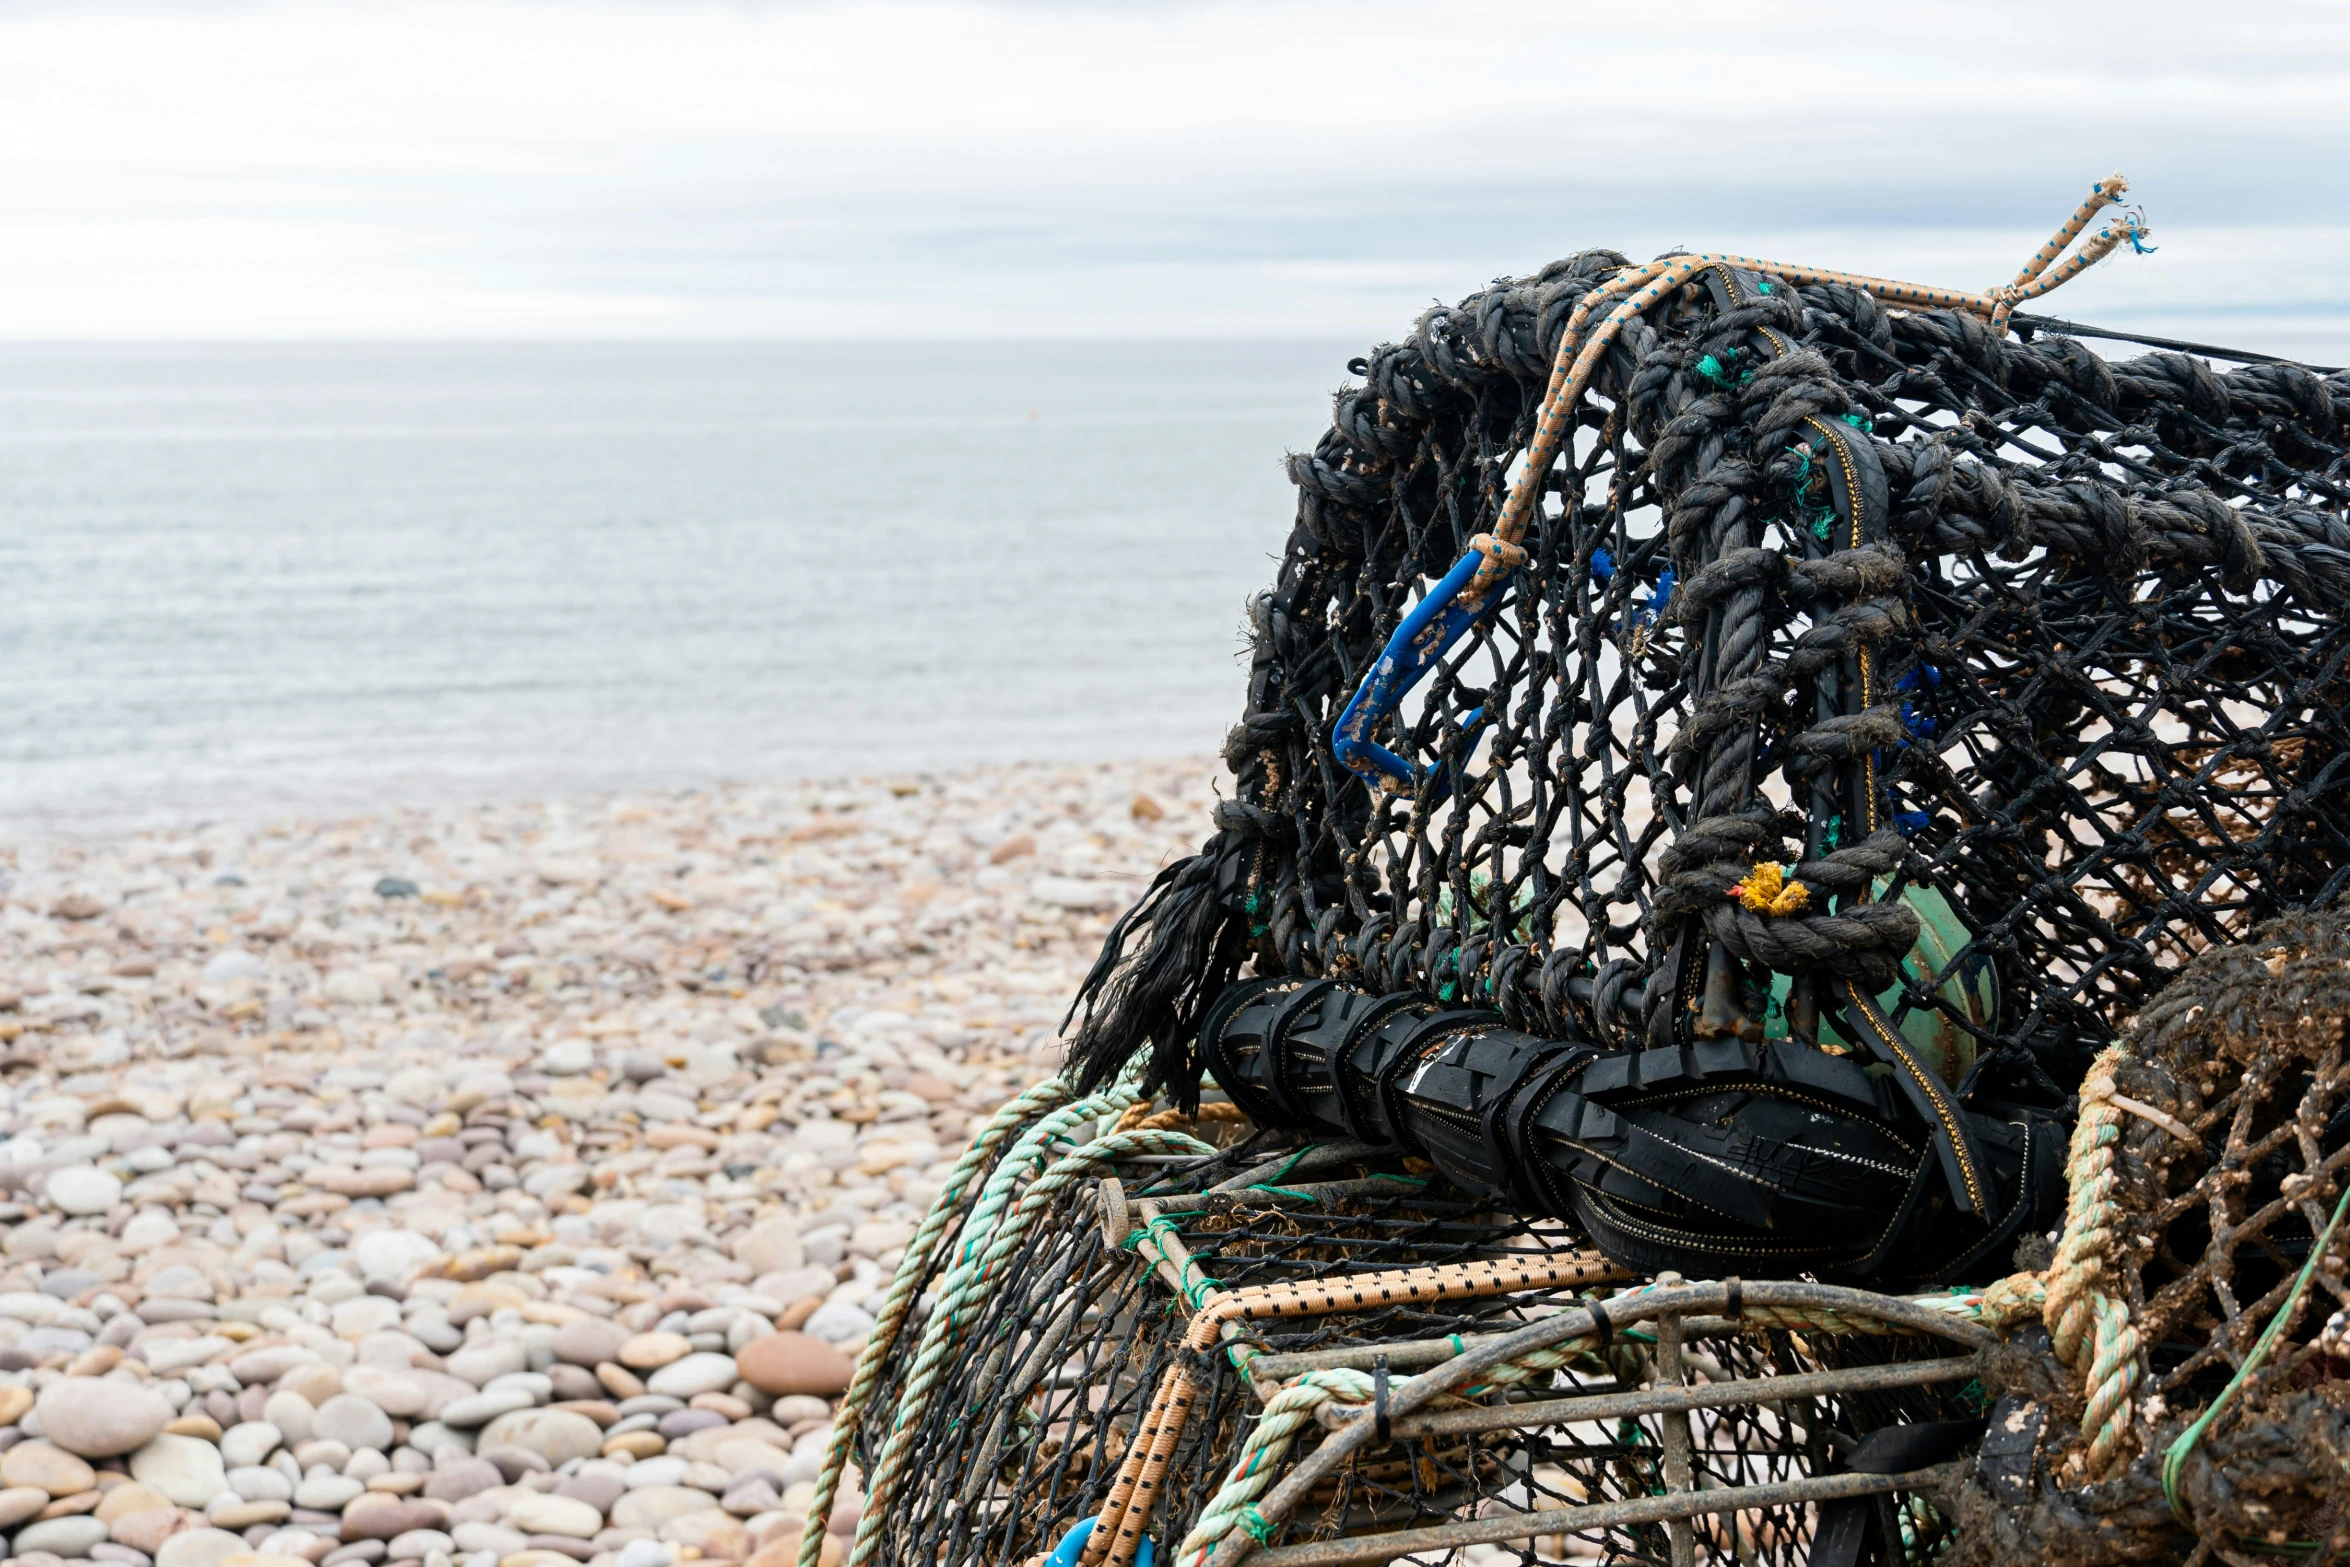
point(1640, 287)
point(1126, 1513)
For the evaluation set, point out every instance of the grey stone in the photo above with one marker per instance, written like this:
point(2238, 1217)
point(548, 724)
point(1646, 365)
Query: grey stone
point(556, 1435)
point(352, 1421)
point(249, 1442)
point(700, 1372)
point(454, 1480)
point(183, 1468)
point(483, 1362)
point(72, 1535)
point(590, 1341)
point(198, 1548)
point(99, 1417)
point(481, 1408)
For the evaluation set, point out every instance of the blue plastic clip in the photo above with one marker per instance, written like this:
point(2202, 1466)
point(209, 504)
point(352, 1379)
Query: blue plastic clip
point(1072, 1546)
point(1433, 626)
point(1658, 597)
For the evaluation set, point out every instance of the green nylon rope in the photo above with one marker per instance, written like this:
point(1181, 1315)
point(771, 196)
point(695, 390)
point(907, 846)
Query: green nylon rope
point(1195, 1291)
point(2181, 1450)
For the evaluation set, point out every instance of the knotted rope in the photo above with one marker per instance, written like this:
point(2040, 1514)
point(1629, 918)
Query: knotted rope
point(2086, 1320)
point(1641, 287)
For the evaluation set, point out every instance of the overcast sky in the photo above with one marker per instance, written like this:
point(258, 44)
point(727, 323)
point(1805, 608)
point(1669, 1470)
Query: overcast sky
point(544, 168)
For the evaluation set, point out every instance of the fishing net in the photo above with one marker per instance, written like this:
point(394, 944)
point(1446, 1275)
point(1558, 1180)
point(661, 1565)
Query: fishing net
point(2225, 1419)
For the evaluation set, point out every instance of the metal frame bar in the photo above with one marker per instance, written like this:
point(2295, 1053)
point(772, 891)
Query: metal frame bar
point(1676, 1300)
point(1370, 1549)
point(1667, 1400)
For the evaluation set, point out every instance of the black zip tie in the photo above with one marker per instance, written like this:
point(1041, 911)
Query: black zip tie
point(1735, 1308)
point(1380, 1431)
point(1600, 1323)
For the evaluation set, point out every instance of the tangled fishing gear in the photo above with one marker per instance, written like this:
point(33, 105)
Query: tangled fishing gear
point(1240, 1338)
point(2218, 1422)
point(1719, 655)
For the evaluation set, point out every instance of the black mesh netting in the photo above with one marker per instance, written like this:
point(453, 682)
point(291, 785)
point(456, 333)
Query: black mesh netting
point(2062, 710)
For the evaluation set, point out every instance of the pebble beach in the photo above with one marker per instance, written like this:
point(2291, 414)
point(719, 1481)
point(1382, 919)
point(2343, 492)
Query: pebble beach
point(511, 1186)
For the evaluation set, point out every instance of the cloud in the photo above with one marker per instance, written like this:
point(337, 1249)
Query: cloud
point(925, 167)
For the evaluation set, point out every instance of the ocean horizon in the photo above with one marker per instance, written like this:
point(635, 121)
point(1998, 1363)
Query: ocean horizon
point(295, 579)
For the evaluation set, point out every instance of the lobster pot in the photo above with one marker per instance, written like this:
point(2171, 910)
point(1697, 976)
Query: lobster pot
point(1762, 657)
point(1727, 744)
point(1048, 1384)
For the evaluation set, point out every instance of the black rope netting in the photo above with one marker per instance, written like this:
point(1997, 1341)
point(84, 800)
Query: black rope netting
point(2030, 661)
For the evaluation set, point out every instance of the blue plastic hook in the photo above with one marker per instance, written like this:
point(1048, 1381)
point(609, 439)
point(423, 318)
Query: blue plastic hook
point(1432, 627)
point(1072, 1546)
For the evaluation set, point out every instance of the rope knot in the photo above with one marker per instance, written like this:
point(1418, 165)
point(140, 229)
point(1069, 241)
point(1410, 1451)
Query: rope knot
point(1502, 556)
point(1768, 889)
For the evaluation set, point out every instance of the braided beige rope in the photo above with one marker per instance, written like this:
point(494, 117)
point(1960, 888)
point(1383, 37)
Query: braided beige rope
point(2086, 1320)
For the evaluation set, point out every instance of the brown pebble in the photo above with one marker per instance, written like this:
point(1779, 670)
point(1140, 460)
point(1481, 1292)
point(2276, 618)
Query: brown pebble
point(596, 1409)
point(203, 1427)
point(795, 1316)
point(147, 1528)
point(379, 1517)
point(788, 1362)
point(637, 1444)
point(619, 1381)
point(79, 1502)
point(95, 1362)
point(652, 1351)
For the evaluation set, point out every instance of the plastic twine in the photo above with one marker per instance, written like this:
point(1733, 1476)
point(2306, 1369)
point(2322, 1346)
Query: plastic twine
point(2181, 1450)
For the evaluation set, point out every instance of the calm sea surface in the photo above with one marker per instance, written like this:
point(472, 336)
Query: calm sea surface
point(255, 581)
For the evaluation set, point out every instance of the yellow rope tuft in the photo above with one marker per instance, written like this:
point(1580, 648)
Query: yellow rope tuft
point(1768, 890)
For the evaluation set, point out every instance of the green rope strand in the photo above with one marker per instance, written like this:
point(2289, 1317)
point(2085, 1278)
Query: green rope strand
point(902, 1290)
point(2175, 1460)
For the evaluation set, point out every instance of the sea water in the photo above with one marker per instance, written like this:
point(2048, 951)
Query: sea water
point(254, 581)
